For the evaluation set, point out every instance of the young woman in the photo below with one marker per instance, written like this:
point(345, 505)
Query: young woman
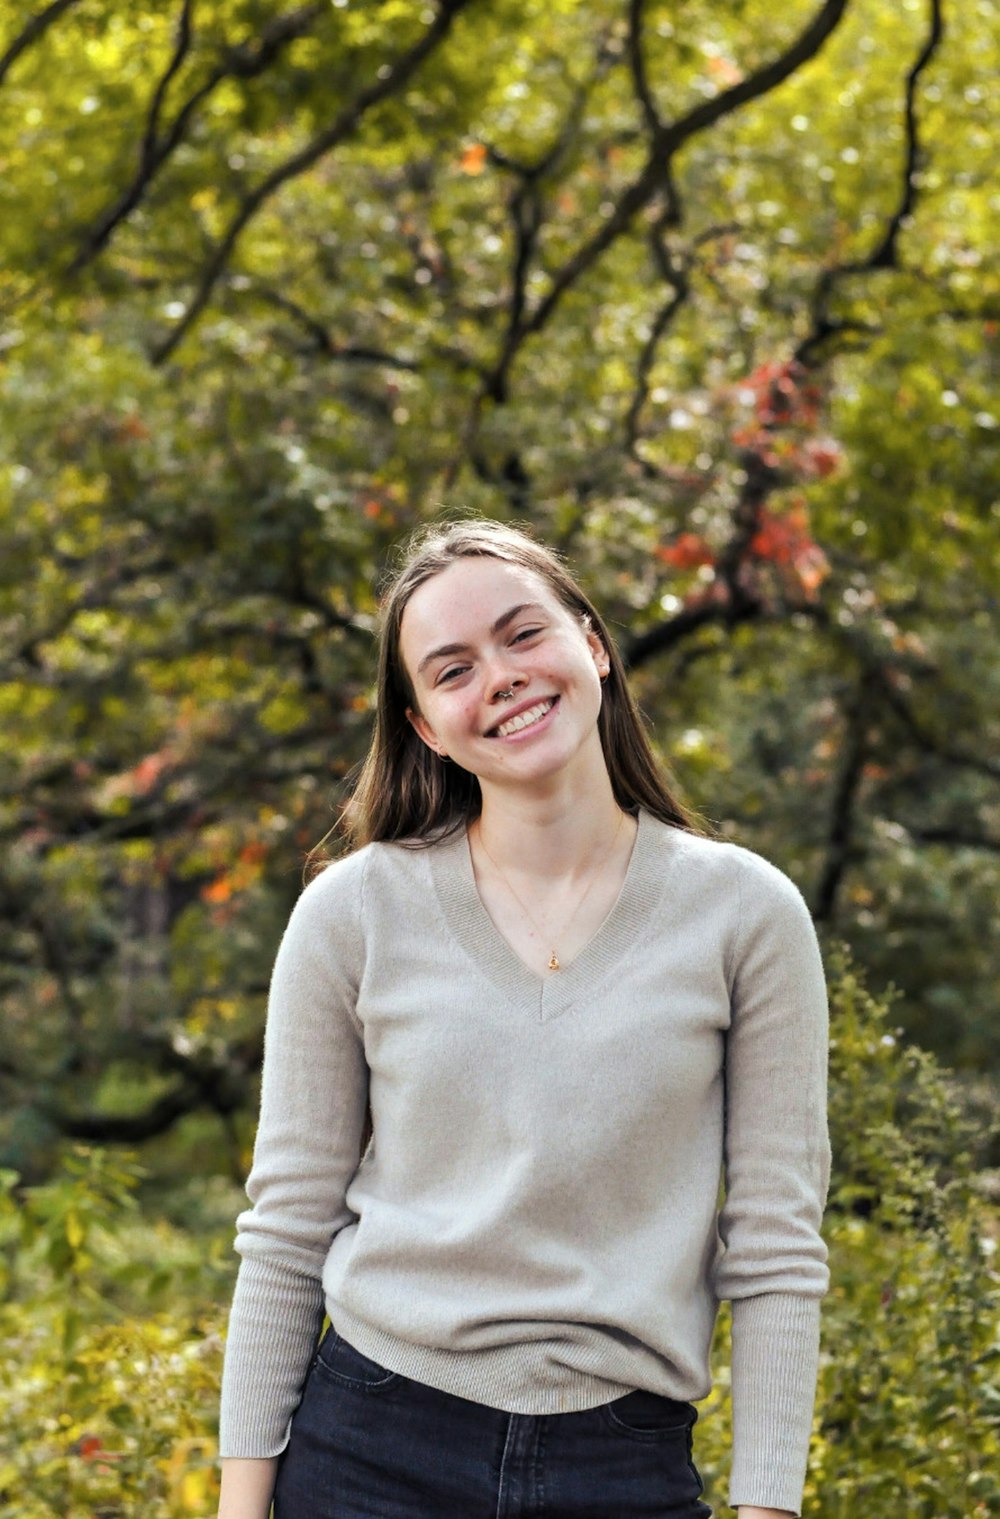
point(568, 1012)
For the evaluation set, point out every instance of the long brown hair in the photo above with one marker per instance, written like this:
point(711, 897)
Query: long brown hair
point(403, 791)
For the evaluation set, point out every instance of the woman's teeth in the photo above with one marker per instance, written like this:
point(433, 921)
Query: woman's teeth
point(525, 719)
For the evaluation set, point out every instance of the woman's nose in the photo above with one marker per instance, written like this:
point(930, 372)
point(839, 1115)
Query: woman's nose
point(502, 681)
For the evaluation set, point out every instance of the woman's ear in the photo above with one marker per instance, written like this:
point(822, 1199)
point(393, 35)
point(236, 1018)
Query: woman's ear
point(423, 730)
point(602, 659)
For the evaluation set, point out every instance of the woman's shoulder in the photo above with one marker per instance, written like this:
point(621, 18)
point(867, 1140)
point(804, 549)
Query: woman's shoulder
point(376, 865)
point(343, 873)
point(729, 864)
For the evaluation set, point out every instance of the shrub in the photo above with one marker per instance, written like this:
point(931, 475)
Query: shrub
point(908, 1404)
point(111, 1336)
point(111, 1325)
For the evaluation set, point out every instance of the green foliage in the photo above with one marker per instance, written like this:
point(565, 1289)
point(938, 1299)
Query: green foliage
point(110, 1333)
point(908, 1405)
point(112, 1322)
point(746, 381)
point(268, 299)
point(910, 1412)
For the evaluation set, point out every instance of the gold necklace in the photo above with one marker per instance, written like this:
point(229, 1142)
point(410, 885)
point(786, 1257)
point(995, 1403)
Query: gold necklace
point(553, 957)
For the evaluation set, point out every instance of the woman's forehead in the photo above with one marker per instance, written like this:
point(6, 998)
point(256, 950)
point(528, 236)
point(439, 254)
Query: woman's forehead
point(466, 598)
point(475, 587)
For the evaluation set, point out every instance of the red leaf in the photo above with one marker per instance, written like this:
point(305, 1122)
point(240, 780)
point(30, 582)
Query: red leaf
point(821, 457)
point(785, 540)
point(687, 551)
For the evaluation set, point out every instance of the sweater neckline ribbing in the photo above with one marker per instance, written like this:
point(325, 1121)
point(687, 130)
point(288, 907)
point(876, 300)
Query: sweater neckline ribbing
point(547, 997)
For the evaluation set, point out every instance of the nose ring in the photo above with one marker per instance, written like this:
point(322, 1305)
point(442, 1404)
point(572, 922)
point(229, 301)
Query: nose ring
point(505, 695)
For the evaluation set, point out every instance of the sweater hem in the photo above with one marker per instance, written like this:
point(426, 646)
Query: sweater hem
point(497, 1378)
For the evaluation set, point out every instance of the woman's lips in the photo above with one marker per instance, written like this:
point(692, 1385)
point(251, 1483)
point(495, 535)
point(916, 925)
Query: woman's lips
point(527, 718)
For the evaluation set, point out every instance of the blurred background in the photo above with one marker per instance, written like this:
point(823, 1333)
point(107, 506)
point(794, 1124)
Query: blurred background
point(708, 297)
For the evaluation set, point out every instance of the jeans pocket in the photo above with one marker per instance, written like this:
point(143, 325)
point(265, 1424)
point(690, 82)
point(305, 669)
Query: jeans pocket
point(339, 1360)
point(643, 1415)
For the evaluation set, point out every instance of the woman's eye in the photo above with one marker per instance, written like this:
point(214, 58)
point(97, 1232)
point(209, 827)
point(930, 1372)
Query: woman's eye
point(451, 673)
point(526, 633)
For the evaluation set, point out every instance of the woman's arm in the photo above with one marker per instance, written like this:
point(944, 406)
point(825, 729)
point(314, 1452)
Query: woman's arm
point(314, 1091)
point(773, 1264)
point(247, 1486)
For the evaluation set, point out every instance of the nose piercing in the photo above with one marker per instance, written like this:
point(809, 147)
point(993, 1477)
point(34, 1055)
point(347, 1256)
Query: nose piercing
point(505, 695)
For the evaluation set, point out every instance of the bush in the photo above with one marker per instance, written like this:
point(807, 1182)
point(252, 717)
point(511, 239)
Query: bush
point(908, 1404)
point(111, 1337)
point(112, 1325)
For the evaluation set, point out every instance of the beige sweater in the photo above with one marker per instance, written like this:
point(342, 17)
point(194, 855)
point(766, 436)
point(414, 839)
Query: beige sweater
point(536, 1224)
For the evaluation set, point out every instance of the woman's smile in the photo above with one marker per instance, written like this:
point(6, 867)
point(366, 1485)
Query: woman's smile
point(527, 716)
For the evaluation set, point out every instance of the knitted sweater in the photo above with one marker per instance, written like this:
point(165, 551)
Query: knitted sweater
point(536, 1223)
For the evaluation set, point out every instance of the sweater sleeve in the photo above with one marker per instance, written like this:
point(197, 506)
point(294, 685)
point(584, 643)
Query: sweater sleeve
point(777, 1165)
point(313, 1099)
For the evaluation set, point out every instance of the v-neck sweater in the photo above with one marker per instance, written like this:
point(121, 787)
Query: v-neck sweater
point(536, 1222)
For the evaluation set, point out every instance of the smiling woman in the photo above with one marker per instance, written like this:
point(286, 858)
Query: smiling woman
point(520, 667)
point(404, 792)
point(522, 1269)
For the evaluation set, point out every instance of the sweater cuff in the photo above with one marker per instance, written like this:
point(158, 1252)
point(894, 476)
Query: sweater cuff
point(775, 1356)
point(273, 1331)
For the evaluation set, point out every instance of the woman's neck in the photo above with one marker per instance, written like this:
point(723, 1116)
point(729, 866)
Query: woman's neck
point(553, 837)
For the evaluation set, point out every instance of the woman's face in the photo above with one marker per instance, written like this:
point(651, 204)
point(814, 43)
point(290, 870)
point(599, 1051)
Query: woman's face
point(482, 628)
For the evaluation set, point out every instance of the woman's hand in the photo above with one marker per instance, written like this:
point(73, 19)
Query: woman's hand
point(743, 1512)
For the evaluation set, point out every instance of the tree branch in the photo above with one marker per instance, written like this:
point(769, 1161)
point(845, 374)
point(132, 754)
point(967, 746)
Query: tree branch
point(854, 752)
point(147, 153)
point(674, 273)
point(955, 837)
point(222, 1088)
point(321, 339)
point(666, 635)
point(637, 64)
point(241, 62)
point(885, 254)
point(930, 743)
point(395, 76)
point(526, 212)
point(654, 176)
point(35, 28)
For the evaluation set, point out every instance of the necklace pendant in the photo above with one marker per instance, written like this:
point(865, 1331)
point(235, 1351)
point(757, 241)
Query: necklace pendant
point(553, 961)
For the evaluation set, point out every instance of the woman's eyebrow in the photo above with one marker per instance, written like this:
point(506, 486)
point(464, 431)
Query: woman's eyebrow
point(447, 649)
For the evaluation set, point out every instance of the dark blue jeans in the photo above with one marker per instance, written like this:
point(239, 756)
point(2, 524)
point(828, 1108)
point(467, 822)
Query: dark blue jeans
point(367, 1443)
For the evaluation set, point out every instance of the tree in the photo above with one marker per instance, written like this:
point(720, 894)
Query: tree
point(701, 293)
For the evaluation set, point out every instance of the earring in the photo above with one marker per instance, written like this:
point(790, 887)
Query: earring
point(444, 758)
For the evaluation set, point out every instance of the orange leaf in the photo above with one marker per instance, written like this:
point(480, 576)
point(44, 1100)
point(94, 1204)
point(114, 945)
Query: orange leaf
point(133, 428)
point(812, 569)
point(724, 70)
point(146, 773)
point(473, 159)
